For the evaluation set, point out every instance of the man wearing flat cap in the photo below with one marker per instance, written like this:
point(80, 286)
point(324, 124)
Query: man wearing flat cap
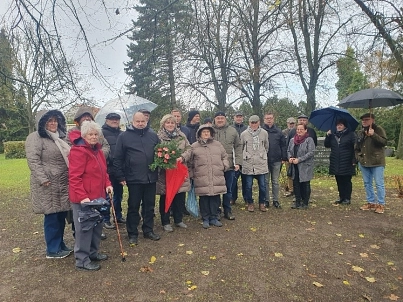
point(228, 137)
point(303, 119)
point(111, 131)
point(370, 154)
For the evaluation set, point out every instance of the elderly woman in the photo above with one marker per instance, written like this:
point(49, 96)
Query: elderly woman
point(169, 132)
point(342, 159)
point(208, 162)
point(88, 180)
point(47, 152)
point(300, 155)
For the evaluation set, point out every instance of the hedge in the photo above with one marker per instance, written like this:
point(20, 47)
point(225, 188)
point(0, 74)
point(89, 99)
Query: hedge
point(14, 149)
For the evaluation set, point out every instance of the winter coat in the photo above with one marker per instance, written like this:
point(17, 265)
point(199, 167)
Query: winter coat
point(192, 132)
point(342, 158)
point(185, 130)
point(208, 162)
point(102, 141)
point(305, 154)
point(111, 135)
point(88, 177)
point(228, 137)
point(369, 150)
point(133, 155)
point(183, 145)
point(277, 145)
point(47, 165)
point(311, 133)
point(239, 128)
point(254, 162)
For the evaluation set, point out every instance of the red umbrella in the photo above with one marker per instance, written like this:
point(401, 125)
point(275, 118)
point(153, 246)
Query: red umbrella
point(174, 179)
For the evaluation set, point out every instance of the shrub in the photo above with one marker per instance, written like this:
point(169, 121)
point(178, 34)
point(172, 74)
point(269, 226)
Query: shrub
point(14, 149)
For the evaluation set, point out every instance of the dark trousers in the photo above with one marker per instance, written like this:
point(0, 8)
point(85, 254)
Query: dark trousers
point(234, 189)
point(302, 190)
point(177, 205)
point(345, 186)
point(53, 226)
point(209, 207)
point(117, 200)
point(226, 198)
point(144, 195)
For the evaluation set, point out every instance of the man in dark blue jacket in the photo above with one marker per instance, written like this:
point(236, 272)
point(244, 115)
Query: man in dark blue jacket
point(193, 125)
point(276, 156)
point(134, 153)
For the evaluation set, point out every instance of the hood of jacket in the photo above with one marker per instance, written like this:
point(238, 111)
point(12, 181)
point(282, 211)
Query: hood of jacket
point(44, 115)
point(205, 126)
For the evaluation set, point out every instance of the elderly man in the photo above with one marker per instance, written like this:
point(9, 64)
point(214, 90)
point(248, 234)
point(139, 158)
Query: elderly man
point(303, 119)
point(289, 189)
point(111, 131)
point(229, 138)
point(276, 156)
point(239, 127)
point(133, 155)
point(255, 146)
point(370, 154)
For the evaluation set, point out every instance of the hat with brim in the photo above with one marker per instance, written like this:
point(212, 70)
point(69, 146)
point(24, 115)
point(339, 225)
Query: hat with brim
point(254, 119)
point(113, 116)
point(367, 115)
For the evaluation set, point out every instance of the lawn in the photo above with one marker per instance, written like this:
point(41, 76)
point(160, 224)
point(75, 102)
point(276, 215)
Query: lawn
point(325, 253)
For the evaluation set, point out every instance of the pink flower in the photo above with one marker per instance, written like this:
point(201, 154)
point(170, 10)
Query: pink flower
point(159, 149)
point(165, 149)
point(173, 152)
point(167, 156)
point(159, 154)
point(165, 161)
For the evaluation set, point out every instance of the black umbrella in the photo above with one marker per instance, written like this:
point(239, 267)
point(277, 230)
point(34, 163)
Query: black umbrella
point(371, 98)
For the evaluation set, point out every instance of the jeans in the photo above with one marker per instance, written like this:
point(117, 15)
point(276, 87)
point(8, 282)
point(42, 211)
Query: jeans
point(53, 226)
point(177, 208)
point(144, 195)
point(344, 186)
point(234, 189)
point(273, 176)
point(261, 180)
point(226, 200)
point(369, 174)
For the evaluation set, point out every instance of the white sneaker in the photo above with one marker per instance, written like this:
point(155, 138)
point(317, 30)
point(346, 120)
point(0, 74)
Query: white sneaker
point(168, 228)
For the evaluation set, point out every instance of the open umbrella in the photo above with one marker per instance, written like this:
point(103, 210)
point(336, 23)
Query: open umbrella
point(325, 119)
point(371, 98)
point(174, 179)
point(125, 106)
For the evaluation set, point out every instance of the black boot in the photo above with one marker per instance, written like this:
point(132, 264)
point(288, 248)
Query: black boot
point(296, 205)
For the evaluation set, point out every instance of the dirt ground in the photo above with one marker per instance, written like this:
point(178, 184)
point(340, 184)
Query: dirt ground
point(325, 253)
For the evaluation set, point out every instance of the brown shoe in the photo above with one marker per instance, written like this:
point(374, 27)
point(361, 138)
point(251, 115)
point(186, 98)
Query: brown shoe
point(368, 206)
point(262, 207)
point(251, 207)
point(380, 209)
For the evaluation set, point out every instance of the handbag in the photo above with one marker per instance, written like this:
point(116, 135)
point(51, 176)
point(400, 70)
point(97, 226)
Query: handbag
point(289, 170)
point(192, 205)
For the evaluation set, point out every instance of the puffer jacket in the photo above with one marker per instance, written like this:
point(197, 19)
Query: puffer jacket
point(254, 160)
point(228, 137)
point(208, 162)
point(47, 164)
point(88, 177)
point(342, 158)
point(183, 145)
point(305, 155)
point(369, 150)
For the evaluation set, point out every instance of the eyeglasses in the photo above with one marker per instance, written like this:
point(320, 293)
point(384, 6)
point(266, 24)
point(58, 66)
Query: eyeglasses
point(52, 121)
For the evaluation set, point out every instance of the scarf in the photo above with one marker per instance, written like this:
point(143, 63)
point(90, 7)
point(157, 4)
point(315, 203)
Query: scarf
point(61, 144)
point(170, 134)
point(255, 137)
point(298, 140)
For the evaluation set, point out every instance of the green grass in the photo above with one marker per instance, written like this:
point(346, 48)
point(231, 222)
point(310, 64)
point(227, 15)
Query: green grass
point(14, 176)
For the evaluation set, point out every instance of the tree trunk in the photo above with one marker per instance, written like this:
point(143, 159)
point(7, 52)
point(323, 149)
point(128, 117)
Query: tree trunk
point(399, 150)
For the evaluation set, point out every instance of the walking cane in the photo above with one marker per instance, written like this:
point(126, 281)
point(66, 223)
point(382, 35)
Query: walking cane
point(117, 227)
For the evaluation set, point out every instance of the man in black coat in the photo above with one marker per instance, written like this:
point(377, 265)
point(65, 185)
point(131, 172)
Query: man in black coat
point(193, 125)
point(133, 155)
point(111, 131)
point(276, 155)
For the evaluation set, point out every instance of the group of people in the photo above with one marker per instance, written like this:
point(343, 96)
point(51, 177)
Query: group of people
point(69, 171)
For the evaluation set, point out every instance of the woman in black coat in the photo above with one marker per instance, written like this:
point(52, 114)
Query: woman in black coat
point(342, 159)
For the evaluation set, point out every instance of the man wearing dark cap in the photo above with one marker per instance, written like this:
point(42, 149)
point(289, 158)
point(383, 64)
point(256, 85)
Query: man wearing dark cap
point(239, 127)
point(193, 125)
point(370, 153)
point(111, 131)
point(229, 138)
point(303, 119)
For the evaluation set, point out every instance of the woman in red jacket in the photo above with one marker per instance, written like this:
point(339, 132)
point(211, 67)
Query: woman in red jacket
point(88, 180)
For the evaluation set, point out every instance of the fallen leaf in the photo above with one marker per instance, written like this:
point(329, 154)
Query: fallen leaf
point(391, 263)
point(16, 250)
point(329, 222)
point(347, 240)
point(152, 260)
point(213, 257)
point(366, 297)
point(361, 235)
point(357, 269)
point(146, 269)
point(338, 235)
point(345, 282)
point(188, 282)
point(374, 246)
point(181, 244)
point(205, 273)
point(393, 297)
point(313, 222)
point(240, 254)
point(317, 284)
point(370, 279)
point(193, 287)
point(364, 255)
point(253, 229)
point(162, 292)
point(312, 275)
point(340, 253)
point(310, 229)
point(35, 233)
point(278, 255)
point(189, 252)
